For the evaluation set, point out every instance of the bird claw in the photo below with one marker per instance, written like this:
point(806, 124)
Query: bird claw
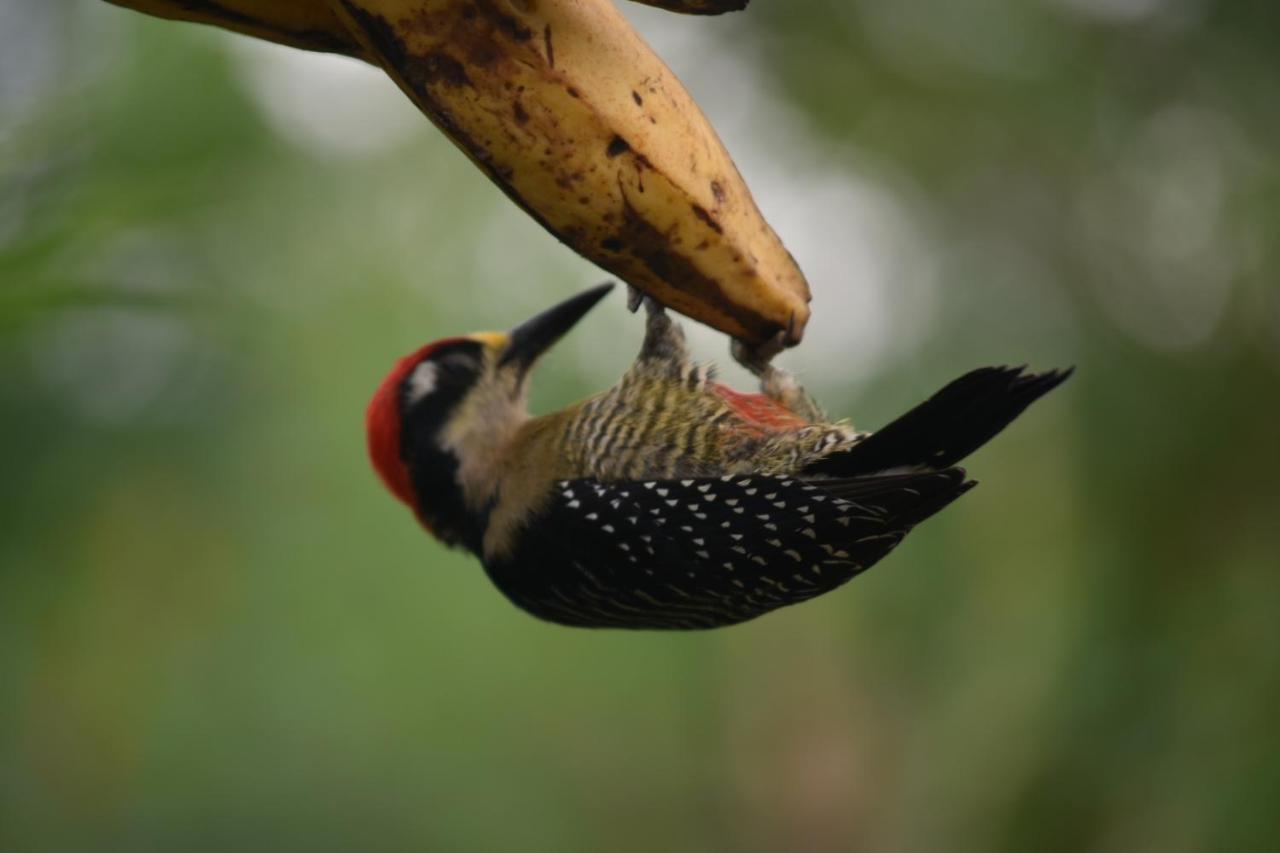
point(776, 383)
point(757, 358)
point(635, 297)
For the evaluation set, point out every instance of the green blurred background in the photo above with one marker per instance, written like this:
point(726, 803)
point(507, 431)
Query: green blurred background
point(218, 633)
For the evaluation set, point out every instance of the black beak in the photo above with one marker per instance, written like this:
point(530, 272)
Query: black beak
point(534, 337)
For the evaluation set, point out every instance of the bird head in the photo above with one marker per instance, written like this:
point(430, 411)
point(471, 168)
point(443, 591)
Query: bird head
point(440, 418)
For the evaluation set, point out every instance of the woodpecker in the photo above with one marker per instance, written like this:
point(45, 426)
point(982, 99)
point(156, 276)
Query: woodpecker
point(669, 501)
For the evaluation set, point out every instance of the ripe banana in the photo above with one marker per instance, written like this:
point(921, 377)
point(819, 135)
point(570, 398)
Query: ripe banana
point(566, 108)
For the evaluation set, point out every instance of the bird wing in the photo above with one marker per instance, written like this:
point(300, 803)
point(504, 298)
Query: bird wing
point(707, 552)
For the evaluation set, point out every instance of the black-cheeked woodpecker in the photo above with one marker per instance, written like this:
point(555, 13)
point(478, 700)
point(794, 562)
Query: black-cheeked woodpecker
point(670, 500)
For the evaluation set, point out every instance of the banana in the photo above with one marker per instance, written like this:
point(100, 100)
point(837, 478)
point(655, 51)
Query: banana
point(566, 108)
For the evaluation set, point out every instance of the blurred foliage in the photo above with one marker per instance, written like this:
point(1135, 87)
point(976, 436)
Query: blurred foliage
point(217, 633)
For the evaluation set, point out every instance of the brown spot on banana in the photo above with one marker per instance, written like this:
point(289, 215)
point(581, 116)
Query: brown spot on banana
point(438, 66)
point(701, 212)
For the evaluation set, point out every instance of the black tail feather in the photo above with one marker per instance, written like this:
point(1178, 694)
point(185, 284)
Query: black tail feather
point(948, 426)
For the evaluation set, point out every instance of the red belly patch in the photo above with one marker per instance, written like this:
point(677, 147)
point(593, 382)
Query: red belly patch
point(758, 410)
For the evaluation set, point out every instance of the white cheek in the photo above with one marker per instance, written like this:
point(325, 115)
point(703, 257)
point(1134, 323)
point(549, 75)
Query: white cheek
point(422, 381)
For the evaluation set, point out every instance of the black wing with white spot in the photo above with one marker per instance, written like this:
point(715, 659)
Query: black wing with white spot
point(702, 553)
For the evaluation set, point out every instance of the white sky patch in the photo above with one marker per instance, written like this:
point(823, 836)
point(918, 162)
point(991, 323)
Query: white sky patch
point(326, 104)
point(31, 54)
point(935, 41)
point(517, 258)
point(1163, 256)
point(110, 365)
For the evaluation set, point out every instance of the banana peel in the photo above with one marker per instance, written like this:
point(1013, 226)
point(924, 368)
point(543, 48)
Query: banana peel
point(566, 108)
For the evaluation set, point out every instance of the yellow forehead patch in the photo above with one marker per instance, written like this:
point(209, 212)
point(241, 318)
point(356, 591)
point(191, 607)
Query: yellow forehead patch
point(493, 340)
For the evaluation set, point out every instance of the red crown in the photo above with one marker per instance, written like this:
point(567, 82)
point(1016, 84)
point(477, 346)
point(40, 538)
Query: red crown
point(382, 427)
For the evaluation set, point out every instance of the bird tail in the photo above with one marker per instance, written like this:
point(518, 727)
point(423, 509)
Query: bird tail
point(948, 426)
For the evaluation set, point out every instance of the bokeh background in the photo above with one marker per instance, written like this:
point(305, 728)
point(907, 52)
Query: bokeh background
point(218, 633)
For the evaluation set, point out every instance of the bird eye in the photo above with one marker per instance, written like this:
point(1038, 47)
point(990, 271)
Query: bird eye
point(456, 361)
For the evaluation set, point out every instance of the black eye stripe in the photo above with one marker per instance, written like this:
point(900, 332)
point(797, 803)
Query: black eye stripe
point(452, 364)
point(463, 354)
point(457, 361)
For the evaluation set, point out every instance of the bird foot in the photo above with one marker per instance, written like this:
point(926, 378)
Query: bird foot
point(775, 382)
point(663, 337)
point(757, 358)
point(637, 297)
